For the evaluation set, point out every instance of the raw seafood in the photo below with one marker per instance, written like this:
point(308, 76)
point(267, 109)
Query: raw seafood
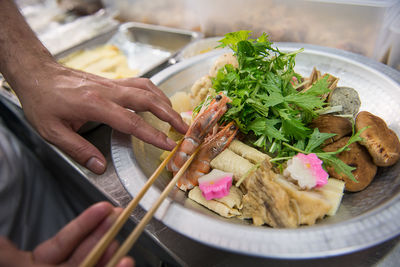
point(208, 151)
point(200, 128)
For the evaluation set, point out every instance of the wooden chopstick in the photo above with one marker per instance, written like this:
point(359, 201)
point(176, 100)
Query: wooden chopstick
point(95, 254)
point(126, 246)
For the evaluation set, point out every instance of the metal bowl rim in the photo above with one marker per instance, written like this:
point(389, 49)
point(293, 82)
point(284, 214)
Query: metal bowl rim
point(241, 238)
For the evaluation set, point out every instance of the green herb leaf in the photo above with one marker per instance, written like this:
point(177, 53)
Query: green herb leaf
point(262, 92)
point(339, 166)
point(231, 39)
point(316, 140)
point(319, 88)
point(265, 127)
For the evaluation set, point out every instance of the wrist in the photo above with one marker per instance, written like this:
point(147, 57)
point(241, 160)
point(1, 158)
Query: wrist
point(22, 55)
point(24, 74)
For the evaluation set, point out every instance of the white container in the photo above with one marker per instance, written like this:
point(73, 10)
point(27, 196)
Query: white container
point(357, 26)
point(391, 50)
point(170, 13)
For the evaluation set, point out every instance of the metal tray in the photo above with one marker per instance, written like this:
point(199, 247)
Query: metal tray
point(147, 47)
point(364, 219)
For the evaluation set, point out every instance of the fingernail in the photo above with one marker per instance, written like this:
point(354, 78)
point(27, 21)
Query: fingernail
point(126, 262)
point(95, 165)
point(171, 142)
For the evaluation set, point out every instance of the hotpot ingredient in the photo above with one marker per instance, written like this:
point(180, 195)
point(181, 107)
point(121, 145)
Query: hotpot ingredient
point(215, 184)
point(347, 98)
point(281, 119)
point(213, 146)
point(201, 126)
point(381, 142)
point(332, 124)
point(357, 157)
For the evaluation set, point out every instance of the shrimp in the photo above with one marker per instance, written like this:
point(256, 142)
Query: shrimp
point(208, 151)
point(200, 128)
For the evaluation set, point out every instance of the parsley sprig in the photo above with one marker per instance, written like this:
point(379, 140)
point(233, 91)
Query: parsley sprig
point(264, 101)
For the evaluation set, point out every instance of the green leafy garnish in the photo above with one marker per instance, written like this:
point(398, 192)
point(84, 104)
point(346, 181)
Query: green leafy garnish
point(329, 158)
point(316, 140)
point(265, 103)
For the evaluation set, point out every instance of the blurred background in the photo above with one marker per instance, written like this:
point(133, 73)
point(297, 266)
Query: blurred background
point(367, 27)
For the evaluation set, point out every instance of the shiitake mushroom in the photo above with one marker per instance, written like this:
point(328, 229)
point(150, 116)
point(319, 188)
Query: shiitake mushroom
point(332, 124)
point(357, 157)
point(381, 142)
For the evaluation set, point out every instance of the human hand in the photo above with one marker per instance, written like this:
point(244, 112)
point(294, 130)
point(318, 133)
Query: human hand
point(69, 246)
point(57, 100)
point(61, 100)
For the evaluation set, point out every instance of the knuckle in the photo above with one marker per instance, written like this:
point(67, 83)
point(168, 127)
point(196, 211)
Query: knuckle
point(123, 93)
point(91, 97)
point(159, 136)
point(57, 242)
point(135, 121)
point(149, 96)
point(149, 83)
point(147, 100)
point(146, 84)
point(143, 81)
point(49, 132)
point(79, 151)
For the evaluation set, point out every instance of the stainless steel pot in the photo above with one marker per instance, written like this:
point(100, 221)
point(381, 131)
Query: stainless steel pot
point(364, 219)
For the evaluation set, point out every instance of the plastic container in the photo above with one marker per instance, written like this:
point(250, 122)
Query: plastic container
point(171, 13)
point(357, 26)
point(391, 50)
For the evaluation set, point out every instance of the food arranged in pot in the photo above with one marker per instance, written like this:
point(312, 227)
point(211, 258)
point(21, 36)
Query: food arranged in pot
point(275, 147)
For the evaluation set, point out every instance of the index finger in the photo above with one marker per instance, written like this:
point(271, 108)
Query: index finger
point(145, 101)
point(129, 122)
point(145, 84)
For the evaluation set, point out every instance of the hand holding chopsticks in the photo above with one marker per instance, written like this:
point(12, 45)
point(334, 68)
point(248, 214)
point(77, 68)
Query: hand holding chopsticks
point(99, 249)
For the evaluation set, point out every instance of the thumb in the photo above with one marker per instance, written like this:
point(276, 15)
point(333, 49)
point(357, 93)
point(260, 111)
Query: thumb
point(78, 148)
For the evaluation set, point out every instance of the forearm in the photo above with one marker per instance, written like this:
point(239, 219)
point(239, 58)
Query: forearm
point(22, 55)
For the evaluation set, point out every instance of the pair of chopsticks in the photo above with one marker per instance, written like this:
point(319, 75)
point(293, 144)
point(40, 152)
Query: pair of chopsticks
point(94, 256)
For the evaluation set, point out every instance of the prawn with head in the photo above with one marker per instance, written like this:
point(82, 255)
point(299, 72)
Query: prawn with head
point(203, 125)
point(213, 146)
